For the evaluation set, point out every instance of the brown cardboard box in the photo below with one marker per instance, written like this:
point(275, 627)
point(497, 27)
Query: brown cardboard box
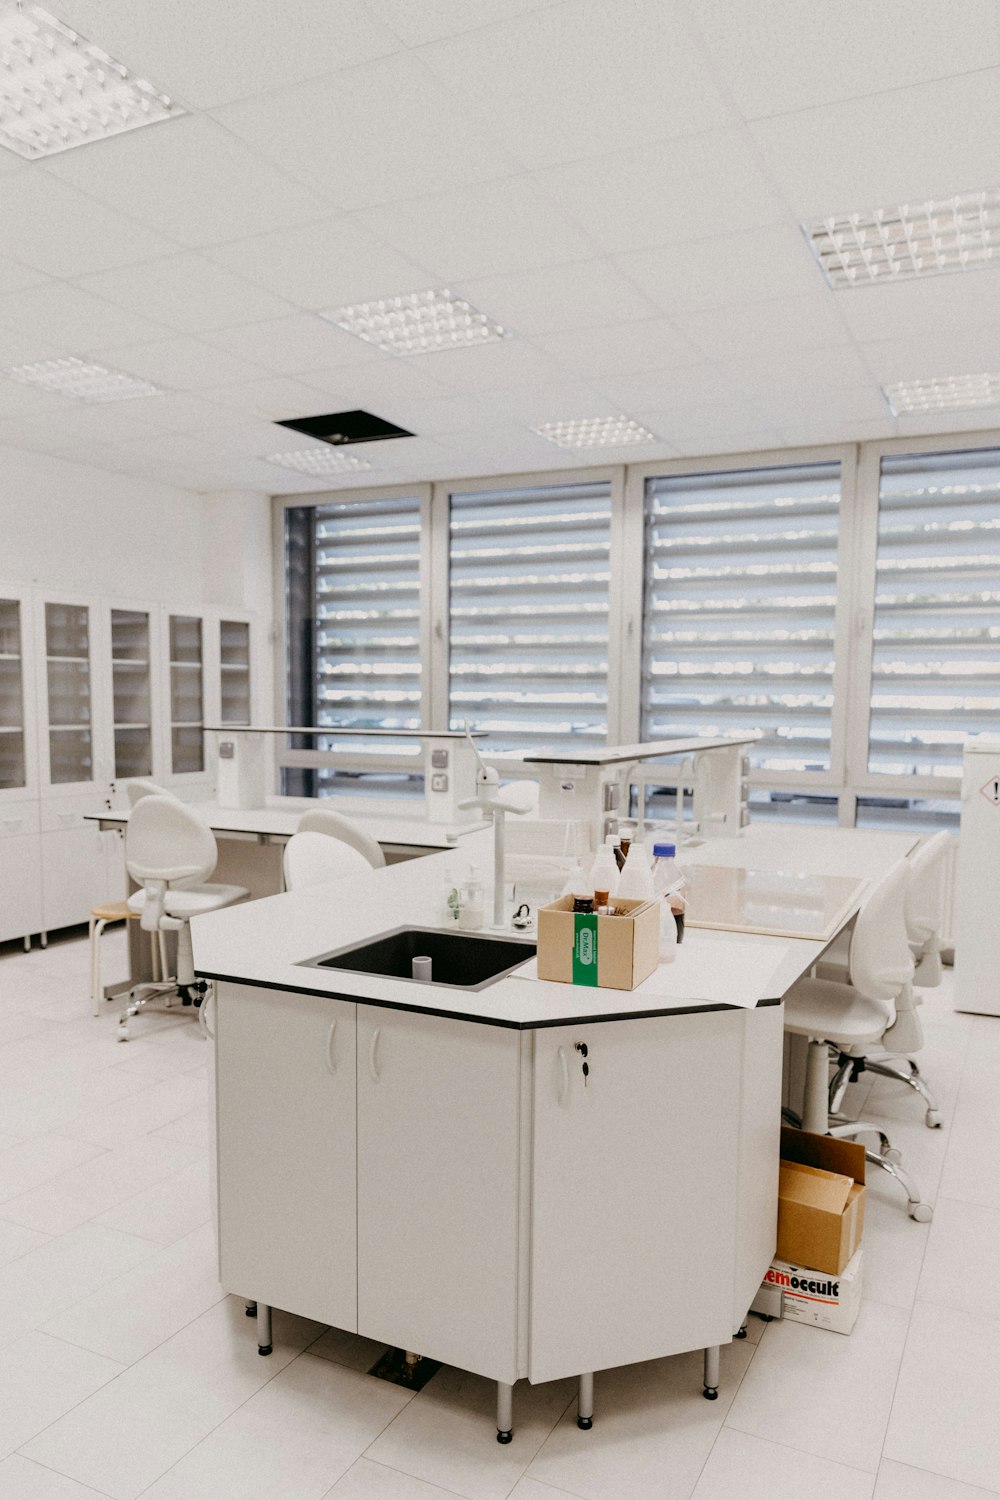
point(821, 1200)
point(616, 953)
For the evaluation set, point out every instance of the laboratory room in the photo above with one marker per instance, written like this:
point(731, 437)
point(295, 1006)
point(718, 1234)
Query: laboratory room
point(499, 750)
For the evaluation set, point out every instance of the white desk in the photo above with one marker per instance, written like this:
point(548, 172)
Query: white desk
point(797, 849)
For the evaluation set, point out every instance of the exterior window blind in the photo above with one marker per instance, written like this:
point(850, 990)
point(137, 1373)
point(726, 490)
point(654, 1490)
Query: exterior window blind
point(366, 639)
point(936, 649)
point(529, 572)
point(740, 596)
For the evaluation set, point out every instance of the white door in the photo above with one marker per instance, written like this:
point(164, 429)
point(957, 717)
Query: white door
point(437, 1188)
point(285, 1079)
point(634, 1181)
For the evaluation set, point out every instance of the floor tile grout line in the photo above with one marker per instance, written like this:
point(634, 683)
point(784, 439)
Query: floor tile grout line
point(50, 1470)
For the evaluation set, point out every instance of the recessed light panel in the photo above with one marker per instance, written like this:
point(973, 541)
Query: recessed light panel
point(318, 461)
point(911, 239)
point(595, 432)
point(57, 90)
point(943, 393)
point(417, 323)
point(84, 382)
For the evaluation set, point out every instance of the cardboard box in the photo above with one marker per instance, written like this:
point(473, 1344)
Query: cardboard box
point(616, 953)
point(805, 1295)
point(821, 1200)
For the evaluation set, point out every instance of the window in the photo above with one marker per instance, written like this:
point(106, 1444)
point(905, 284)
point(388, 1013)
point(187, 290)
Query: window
point(936, 634)
point(529, 571)
point(740, 598)
point(353, 572)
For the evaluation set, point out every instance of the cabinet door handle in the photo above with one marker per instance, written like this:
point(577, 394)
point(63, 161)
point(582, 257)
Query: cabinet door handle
point(373, 1054)
point(206, 1005)
point(563, 1076)
point(331, 1066)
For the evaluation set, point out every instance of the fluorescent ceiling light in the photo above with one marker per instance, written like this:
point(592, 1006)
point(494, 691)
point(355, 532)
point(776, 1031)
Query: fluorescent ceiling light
point(58, 91)
point(417, 323)
point(595, 432)
point(84, 382)
point(943, 393)
point(318, 461)
point(911, 239)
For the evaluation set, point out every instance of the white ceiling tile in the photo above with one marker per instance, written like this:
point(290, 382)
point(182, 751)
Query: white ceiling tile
point(937, 304)
point(49, 226)
point(73, 320)
point(186, 293)
point(276, 398)
point(172, 448)
point(932, 422)
point(173, 412)
point(756, 266)
point(25, 349)
point(553, 299)
point(290, 345)
point(495, 367)
point(191, 180)
point(520, 406)
point(17, 400)
point(774, 58)
point(331, 135)
point(814, 433)
point(111, 422)
point(820, 403)
point(788, 368)
point(181, 364)
point(582, 79)
point(925, 142)
point(328, 264)
point(687, 385)
point(751, 440)
point(687, 423)
point(210, 54)
point(433, 19)
point(378, 383)
point(974, 351)
point(687, 189)
point(764, 327)
point(481, 231)
point(622, 349)
point(15, 278)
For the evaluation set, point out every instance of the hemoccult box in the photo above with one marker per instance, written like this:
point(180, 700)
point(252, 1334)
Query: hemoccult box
point(616, 953)
point(821, 1200)
point(808, 1296)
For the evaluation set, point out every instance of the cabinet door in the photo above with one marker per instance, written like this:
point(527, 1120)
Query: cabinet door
point(20, 879)
point(633, 1199)
point(74, 869)
point(18, 775)
point(437, 1188)
point(74, 735)
point(285, 1079)
point(130, 644)
point(186, 695)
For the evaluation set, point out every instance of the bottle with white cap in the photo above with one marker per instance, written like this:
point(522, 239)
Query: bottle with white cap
point(635, 883)
point(604, 872)
point(668, 882)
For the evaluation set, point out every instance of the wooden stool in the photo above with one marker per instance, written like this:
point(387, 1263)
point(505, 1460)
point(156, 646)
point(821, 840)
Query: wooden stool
point(100, 917)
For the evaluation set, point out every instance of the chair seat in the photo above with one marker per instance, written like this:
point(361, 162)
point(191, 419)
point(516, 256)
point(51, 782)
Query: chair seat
point(113, 911)
point(192, 901)
point(834, 1012)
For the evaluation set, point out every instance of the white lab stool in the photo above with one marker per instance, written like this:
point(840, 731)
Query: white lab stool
point(100, 917)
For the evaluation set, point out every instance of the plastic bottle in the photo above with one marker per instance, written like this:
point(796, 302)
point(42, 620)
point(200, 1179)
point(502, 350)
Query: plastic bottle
point(626, 831)
point(604, 872)
point(471, 908)
point(636, 880)
point(668, 881)
point(451, 898)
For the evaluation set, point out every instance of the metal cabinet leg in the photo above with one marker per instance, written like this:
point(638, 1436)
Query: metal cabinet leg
point(505, 1412)
point(585, 1403)
point(251, 1309)
point(264, 1345)
point(711, 1391)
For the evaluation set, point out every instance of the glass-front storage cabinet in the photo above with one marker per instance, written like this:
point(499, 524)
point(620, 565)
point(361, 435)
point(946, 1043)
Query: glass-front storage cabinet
point(69, 693)
point(13, 715)
point(187, 695)
point(234, 672)
point(131, 692)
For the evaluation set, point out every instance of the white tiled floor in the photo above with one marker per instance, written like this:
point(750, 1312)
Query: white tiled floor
point(125, 1371)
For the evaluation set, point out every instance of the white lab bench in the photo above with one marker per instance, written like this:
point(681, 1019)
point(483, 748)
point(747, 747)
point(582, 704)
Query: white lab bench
point(430, 1167)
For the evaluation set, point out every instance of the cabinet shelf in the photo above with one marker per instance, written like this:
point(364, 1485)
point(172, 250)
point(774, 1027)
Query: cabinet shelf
point(84, 656)
point(81, 728)
point(128, 724)
point(129, 662)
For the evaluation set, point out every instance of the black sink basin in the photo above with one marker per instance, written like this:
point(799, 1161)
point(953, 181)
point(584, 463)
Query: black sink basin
point(463, 960)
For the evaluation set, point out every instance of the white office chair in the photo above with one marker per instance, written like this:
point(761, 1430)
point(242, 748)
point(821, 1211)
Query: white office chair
point(875, 1011)
point(140, 787)
point(335, 826)
point(312, 858)
point(169, 851)
point(925, 907)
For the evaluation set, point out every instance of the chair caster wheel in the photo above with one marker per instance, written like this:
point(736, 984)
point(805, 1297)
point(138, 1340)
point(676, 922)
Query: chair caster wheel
point(893, 1155)
point(263, 1349)
point(505, 1437)
point(741, 1333)
point(250, 1311)
point(711, 1393)
point(933, 1120)
point(122, 1034)
point(585, 1423)
point(921, 1212)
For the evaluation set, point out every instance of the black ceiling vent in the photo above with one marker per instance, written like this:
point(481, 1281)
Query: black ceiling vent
point(344, 427)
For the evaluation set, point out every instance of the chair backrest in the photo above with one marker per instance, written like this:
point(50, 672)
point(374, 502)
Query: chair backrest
point(523, 795)
point(880, 960)
point(925, 890)
point(139, 788)
point(311, 858)
point(335, 826)
point(165, 840)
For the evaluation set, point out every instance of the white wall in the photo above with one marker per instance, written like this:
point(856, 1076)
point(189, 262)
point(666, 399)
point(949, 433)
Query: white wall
point(71, 526)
